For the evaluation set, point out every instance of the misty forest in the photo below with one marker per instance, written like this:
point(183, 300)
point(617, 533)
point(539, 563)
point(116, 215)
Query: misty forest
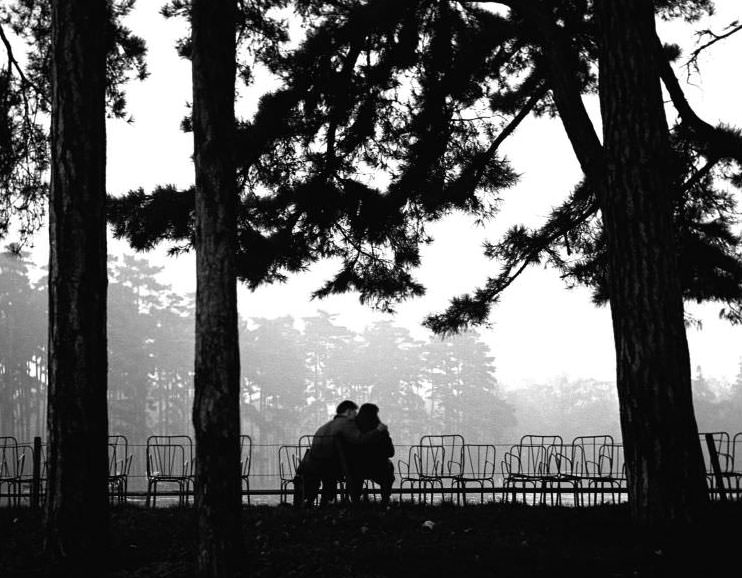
point(294, 372)
point(345, 132)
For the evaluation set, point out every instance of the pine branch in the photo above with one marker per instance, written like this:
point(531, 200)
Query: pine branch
point(722, 142)
point(731, 29)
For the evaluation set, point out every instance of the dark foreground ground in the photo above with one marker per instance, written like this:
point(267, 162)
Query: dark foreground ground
point(491, 540)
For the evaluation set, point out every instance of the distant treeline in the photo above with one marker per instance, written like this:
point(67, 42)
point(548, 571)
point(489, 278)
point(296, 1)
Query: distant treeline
point(295, 370)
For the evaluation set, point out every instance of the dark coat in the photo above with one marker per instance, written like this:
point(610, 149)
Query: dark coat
point(331, 442)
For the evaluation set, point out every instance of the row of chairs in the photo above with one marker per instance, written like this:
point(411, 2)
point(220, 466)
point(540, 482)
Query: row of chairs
point(169, 460)
point(591, 468)
point(433, 462)
point(540, 468)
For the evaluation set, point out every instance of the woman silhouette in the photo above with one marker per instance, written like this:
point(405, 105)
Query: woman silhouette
point(371, 461)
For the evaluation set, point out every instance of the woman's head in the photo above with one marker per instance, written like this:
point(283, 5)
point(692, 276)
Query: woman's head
point(368, 417)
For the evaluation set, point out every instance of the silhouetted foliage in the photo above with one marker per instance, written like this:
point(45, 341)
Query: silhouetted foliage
point(25, 103)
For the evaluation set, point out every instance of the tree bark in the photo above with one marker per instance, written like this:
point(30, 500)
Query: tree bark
point(660, 435)
point(216, 403)
point(77, 504)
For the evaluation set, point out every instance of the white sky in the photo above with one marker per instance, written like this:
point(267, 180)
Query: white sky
point(540, 330)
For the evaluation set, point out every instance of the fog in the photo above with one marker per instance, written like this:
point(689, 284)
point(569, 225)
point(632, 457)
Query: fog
point(296, 369)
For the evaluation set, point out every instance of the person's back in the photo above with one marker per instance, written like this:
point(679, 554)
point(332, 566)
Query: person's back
point(371, 461)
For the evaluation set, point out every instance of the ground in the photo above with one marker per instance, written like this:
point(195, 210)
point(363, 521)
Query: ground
point(403, 540)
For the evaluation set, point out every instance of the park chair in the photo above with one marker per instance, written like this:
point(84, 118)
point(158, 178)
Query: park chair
point(423, 470)
point(245, 463)
point(736, 474)
point(718, 446)
point(119, 465)
point(610, 478)
point(525, 467)
point(585, 454)
point(453, 452)
point(563, 467)
point(289, 458)
point(25, 471)
point(453, 445)
point(478, 468)
point(408, 474)
point(169, 461)
point(11, 467)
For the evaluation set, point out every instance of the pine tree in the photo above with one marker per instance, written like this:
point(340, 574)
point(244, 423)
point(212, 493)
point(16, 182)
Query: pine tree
point(216, 418)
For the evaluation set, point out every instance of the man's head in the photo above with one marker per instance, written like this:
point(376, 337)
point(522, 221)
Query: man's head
point(347, 408)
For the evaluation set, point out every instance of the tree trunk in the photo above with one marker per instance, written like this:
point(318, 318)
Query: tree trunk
point(216, 404)
point(663, 456)
point(77, 505)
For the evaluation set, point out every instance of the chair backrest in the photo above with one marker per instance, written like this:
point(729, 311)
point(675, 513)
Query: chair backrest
point(530, 460)
point(9, 463)
point(541, 440)
point(479, 461)
point(289, 458)
point(722, 444)
point(737, 452)
point(245, 454)
point(611, 462)
point(167, 460)
point(430, 461)
point(118, 455)
point(585, 453)
point(183, 441)
point(453, 445)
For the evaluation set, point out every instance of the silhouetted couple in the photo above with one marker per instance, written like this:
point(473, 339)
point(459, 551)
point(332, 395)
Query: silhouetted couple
point(354, 446)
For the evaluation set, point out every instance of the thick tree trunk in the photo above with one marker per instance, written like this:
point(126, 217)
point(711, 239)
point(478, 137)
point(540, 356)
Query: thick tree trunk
point(663, 457)
point(216, 404)
point(76, 505)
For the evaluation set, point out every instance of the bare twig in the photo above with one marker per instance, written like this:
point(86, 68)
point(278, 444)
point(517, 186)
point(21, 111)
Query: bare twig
point(732, 28)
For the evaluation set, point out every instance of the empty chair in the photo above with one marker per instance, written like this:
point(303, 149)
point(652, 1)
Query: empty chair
point(563, 464)
point(718, 452)
point(452, 465)
point(11, 467)
point(245, 462)
point(585, 454)
point(27, 486)
point(610, 478)
point(525, 467)
point(119, 464)
point(408, 474)
point(736, 475)
point(478, 468)
point(169, 461)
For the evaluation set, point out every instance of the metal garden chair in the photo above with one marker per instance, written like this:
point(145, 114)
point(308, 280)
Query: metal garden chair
point(119, 464)
point(169, 461)
point(478, 468)
point(11, 468)
point(245, 463)
point(585, 454)
point(524, 467)
point(719, 483)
